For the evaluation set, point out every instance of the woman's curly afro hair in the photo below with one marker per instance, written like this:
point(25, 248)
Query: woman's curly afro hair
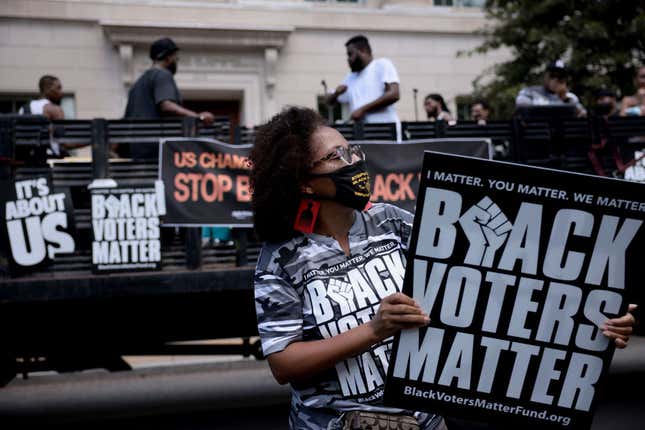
point(280, 163)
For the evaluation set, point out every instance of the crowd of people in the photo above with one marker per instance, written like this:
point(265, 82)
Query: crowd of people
point(371, 90)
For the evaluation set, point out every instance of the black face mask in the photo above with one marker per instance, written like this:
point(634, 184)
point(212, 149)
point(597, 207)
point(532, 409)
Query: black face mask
point(172, 67)
point(356, 65)
point(352, 185)
point(604, 108)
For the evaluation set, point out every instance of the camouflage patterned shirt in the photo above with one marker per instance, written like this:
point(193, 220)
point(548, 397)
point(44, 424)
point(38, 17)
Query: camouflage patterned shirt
point(307, 288)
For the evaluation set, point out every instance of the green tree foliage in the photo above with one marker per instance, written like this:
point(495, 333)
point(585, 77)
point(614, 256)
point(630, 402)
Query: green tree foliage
point(602, 41)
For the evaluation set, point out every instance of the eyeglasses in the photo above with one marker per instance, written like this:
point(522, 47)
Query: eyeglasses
point(343, 153)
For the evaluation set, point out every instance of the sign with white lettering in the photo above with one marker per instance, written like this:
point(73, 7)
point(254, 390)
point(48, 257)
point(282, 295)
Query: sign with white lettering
point(37, 222)
point(518, 268)
point(125, 227)
point(207, 182)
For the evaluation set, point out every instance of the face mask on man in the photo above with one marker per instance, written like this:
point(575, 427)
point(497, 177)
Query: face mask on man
point(172, 67)
point(352, 185)
point(357, 65)
point(604, 108)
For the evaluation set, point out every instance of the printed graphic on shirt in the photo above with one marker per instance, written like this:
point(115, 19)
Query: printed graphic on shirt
point(346, 295)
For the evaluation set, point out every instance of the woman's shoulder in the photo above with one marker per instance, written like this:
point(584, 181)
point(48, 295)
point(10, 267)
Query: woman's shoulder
point(380, 212)
point(387, 209)
point(278, 254)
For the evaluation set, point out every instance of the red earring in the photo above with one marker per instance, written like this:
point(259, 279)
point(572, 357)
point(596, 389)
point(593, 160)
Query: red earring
point(307, 214)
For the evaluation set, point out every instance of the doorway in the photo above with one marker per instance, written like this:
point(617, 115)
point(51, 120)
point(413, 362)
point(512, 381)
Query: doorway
point(222, 109)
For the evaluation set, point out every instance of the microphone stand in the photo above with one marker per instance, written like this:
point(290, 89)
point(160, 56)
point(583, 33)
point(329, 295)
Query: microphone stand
point(416, 108)
point(330, 108)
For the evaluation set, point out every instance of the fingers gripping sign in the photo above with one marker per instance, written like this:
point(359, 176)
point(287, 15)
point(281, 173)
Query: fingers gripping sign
point(397, 311)
point(486, 228)
point(621, 328)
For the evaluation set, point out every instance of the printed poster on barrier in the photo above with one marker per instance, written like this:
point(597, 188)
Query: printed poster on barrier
point(395, 174)
point(206, 182)
point(38, 223)
point(125, 228)
point(518, 267)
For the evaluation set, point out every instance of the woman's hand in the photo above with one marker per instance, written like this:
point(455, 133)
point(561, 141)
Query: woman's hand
point(619, 329)
point(397, 312)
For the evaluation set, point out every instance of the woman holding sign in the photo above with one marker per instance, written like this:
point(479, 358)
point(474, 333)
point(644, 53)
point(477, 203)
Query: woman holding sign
point(328, 279)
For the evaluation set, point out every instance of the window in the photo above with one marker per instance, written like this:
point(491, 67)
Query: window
point(335, 1)
point(463, 103)
point(460, 3)
point(471, 3)
point(69, 106)
point(11, 103)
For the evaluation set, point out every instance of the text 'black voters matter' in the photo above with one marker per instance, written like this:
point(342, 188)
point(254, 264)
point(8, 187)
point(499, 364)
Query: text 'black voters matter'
point(518, 267)
point(125, 227)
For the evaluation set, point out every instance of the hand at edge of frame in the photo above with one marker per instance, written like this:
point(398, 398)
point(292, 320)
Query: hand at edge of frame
point(621, 328)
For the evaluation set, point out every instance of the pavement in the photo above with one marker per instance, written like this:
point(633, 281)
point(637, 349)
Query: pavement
point(228, 393)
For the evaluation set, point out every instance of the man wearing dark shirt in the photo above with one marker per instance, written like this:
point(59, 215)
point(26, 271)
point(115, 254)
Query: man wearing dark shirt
point(155, 94)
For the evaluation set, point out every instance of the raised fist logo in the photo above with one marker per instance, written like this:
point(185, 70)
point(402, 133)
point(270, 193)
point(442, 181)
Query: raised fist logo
point(487, 228)
point(112, 204)
point(343, 294)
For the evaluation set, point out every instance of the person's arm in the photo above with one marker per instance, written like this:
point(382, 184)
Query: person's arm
point(627, 102)
point(568, 97)
point(333, 97)
point(299, 361)
point(391, 95)
point(446, 116)
point(171, 108)
point(53, 112)
point(165, 95)
point(523, 98)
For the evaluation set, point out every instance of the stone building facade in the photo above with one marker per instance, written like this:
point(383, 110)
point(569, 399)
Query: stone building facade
point(249, 57)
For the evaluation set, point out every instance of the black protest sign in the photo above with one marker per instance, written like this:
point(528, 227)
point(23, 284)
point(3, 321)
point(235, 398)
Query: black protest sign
point(37, 222)
point(125, 229)
point(395, 168)
point(518, 267)
point(206, 183)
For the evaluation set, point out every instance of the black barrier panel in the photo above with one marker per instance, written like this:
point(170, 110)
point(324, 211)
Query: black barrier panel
point(207, 183)
point(139, 312)
point(614, 142)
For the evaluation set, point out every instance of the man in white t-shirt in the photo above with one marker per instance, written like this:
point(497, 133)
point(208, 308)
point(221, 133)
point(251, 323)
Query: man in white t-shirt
point(371, 88)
